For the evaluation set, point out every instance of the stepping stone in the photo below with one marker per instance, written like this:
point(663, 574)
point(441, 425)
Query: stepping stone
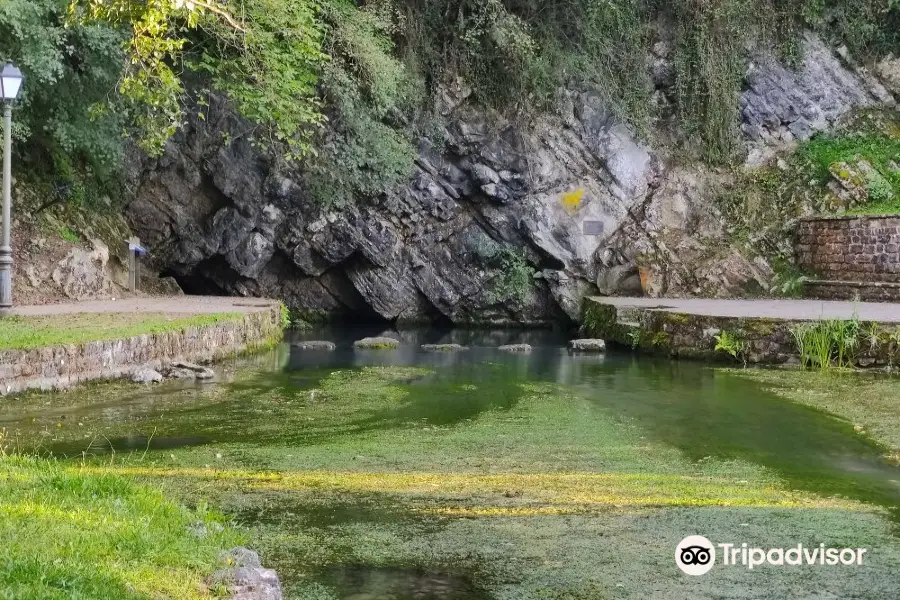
point(314, 345)
point(443, 347)
point(183, 370)
point(520, 348)
point(146, 375)
point(588, 345)
point(376, 343)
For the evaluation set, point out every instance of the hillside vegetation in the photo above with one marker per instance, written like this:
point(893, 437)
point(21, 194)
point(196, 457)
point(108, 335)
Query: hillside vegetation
point(346, 87)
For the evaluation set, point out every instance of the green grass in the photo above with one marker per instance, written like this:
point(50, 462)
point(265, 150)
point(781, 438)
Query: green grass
point(70, 533)
point(25, 333)
point(881, 151)
point(68, 235)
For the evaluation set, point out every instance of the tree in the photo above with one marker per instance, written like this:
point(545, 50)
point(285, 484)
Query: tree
point(266, 60)
point(63, 122)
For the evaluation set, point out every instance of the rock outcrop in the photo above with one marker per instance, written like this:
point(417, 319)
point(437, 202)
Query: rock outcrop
point(595, 208)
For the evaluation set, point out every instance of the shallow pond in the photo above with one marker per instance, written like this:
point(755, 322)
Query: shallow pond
point(479, 474)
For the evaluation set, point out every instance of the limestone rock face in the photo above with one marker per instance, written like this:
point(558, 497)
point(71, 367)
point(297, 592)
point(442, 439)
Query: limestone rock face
point(83, 274)
point(594, 209)
point(888, 71)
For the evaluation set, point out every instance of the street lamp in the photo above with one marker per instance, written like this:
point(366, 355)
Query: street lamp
point(10, 83)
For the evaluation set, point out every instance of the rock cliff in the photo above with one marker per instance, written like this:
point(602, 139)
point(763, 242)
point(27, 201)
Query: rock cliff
point(595, 208)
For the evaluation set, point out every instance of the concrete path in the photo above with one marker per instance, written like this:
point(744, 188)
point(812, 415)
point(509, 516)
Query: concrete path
point(174, 305)
point(797, 310)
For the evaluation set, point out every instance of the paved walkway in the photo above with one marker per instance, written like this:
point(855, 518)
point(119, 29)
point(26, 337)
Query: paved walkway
point(796, 310)
point(174, 305)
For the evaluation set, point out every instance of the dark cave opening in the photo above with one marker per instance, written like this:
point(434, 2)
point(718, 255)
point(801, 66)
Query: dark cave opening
point(196, 282)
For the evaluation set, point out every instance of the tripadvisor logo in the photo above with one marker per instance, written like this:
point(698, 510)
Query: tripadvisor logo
point(696, 555)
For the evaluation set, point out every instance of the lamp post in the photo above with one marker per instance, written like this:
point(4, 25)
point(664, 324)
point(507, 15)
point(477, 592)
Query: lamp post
point(10, 83)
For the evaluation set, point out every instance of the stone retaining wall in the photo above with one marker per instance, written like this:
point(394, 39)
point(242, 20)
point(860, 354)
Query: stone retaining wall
point(63, 366)
point(684, 335)
point(850, 249)
point(875, 291)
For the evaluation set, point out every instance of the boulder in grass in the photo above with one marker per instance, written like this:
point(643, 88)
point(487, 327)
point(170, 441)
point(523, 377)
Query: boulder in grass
point(244, 578)
point(518, 348)
point(443, 347)
point(315, 345)
point(587, 345)
point(376, 343)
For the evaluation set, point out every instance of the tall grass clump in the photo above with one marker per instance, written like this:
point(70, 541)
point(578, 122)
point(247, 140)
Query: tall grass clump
point(827, 344)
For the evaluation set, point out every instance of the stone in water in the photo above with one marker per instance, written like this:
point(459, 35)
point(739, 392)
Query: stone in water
point(588, 345)
point(377, 343)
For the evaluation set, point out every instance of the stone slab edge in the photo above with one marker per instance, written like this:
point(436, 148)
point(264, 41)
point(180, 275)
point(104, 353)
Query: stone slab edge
point(691, 336)
point(59, 367)
point(812, 218)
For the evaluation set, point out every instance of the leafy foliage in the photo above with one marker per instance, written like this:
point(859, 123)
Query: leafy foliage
point(517, 54)
point(370, 96)
point(732, 344)
point(710, 64)
point(154, 46)
point(878, 149)
point(266, 61)
point(515, 277)
point(270, 69)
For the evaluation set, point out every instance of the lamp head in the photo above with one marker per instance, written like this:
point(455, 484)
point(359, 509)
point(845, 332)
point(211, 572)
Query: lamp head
point(10, 81)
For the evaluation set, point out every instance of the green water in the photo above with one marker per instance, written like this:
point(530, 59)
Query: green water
point(487, 475)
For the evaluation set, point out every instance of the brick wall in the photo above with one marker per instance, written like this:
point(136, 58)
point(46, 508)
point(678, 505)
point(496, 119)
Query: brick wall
point(850, 249)
point(865, 250)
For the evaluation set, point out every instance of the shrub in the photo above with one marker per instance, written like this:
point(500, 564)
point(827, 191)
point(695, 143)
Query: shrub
point(514, 280)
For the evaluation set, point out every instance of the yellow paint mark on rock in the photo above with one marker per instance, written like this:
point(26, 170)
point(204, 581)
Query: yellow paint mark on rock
point(571, 201)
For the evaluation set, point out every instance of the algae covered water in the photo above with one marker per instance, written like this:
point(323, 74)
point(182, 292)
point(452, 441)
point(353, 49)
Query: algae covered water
point(403, 474)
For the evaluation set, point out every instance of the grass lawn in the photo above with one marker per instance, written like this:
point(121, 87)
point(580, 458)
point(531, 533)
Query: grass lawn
point(25, 333)
point(75, 534)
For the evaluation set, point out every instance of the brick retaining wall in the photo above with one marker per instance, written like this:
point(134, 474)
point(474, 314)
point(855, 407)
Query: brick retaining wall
point(63, 366)
point(864, 250)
